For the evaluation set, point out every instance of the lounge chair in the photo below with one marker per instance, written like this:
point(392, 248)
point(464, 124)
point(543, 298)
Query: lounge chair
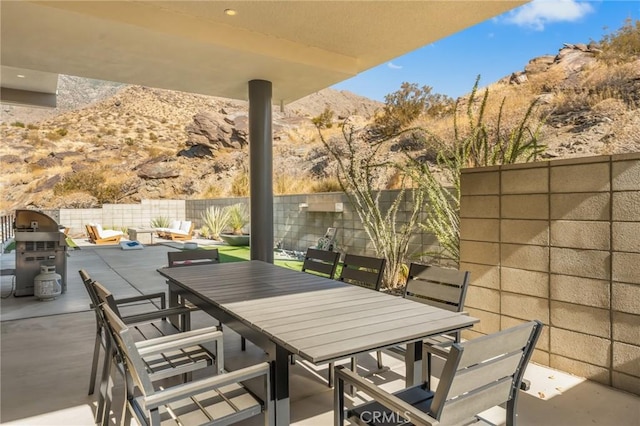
point(97, 235)
point(177, 231)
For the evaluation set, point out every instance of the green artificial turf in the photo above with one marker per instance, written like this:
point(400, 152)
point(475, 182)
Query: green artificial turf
point(242, 253)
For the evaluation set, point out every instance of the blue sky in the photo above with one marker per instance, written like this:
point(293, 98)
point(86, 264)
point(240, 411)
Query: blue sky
point(497, 47)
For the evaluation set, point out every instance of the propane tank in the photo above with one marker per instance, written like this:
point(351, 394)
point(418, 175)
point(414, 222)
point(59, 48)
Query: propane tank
point(47, 285)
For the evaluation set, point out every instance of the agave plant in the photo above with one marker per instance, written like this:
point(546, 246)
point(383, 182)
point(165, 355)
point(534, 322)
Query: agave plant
point(160, 222)
point(238, 217)
point(216, 220)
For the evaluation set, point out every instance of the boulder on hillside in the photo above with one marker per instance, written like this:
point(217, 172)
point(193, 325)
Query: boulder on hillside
point(539, 64)
point(10, 159)
point(158, 168)
point(196, 151)
point(215, 130)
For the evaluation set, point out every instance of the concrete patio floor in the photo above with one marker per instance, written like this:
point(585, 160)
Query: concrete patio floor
point(46, 350)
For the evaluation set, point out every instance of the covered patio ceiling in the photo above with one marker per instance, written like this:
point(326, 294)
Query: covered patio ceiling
point(194, 46)
point(265, 51)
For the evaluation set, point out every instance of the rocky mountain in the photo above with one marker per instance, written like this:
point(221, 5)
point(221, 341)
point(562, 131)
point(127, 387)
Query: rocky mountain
point(115, 143)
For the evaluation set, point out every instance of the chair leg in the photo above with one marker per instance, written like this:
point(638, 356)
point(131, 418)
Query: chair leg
point(427, 379)
point(332, 376)
point(379, 356)
point(106, 384)
point(94, 363)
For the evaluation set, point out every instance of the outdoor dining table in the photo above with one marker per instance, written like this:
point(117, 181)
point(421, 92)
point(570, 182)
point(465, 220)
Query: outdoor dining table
point(320, 320)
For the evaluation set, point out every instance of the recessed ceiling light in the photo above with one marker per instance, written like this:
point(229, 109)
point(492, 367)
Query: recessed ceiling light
point(230, 12)
point(20, 76)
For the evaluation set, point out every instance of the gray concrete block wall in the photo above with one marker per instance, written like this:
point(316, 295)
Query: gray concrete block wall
point(299, 222)
point(568, 253)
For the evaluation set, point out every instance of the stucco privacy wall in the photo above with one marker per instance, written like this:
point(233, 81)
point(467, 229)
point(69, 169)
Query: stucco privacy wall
point(559, 241)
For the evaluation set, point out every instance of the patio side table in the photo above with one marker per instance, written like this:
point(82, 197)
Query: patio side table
point(142, 235)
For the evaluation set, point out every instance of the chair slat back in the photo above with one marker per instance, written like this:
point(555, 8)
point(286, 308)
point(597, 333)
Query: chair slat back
point(484, 372)
point(436, 286)
point(105, 296)
point(321, 262)
point(127, 349)
point(192, 257)
point(87, 281)
point(364, 271)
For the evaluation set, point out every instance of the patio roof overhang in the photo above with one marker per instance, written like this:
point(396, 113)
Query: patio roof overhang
point(193, 46)
point(265, 51)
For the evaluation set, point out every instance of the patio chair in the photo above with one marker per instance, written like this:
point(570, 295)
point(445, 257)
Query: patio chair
point(321, 262)
point(192, 257)
point(95, 301)
point(216, 400)
point(363, 271)
point(165, 360)
point(98, 236)
point(177, 231)
point(443, 288)
point(478, 375)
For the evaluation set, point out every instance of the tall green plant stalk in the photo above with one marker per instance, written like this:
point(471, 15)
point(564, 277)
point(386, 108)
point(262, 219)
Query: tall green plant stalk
point(358, 165)
point(482, 144)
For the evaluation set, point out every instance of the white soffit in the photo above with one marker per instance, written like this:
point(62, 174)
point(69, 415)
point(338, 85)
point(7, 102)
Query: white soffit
point(193, 46)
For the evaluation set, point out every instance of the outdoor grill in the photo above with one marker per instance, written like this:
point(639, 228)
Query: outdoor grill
point(38, 242)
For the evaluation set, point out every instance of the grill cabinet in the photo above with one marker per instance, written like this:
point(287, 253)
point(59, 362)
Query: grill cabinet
point(38, 242)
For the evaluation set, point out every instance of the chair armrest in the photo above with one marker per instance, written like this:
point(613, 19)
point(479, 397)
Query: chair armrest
point(179, 392)
point(439, 349)
point(162, 296)
point(148, 316)
point(179, 341)
point(390, 401)
point(161, 340)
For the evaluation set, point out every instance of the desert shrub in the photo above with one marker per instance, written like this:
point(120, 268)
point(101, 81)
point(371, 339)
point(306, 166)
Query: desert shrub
point(18, 124)
point(405, 105)
point(240, 183)
point(216, 220)
point(54, 136)
point(95, 183)
point(34, 138)
point(326, 185)
point(160, 222)
point(32, 127)
point(324, 120)
point(623, 45)
point(285, 183)
point(153, 136)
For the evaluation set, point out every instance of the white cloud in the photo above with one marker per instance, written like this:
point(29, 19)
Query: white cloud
point(394, 66)
point(539, 13)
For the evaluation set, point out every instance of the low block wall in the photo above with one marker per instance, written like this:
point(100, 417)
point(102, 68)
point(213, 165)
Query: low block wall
point(559, 241)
